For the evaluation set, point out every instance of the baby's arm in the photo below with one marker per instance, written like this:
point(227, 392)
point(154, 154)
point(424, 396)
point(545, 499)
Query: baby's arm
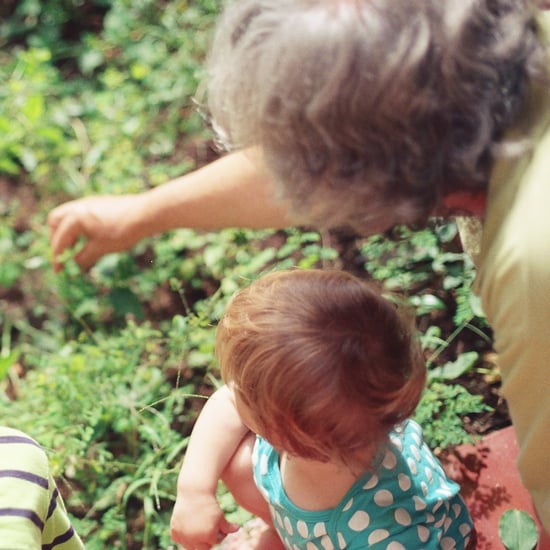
point(197, 519)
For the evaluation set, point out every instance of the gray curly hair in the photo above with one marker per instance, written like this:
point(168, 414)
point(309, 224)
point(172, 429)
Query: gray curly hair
point(368, 112)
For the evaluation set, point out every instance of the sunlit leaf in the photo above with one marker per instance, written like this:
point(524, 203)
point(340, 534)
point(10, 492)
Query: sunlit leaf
point(6, 363)
point(454, 369)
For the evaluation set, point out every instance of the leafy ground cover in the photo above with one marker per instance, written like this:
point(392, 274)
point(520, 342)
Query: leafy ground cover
point(108, 369)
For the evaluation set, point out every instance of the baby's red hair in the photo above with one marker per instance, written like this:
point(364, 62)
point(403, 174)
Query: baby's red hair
point(326, 365)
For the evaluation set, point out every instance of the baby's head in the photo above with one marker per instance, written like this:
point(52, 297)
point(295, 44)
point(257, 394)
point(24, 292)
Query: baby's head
point(323, 363)
point(369, 112)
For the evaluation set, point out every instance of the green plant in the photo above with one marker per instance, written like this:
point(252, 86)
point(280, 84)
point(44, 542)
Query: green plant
point(411, 261)
point(77, 134)
point(52, 24)
point(109, 368)
point(435, 276)
point(8, 354)
point(441, 410)
point(115, 427)
point(517, 530)
point(35, 133)
point(10, 267)
point(185, 267)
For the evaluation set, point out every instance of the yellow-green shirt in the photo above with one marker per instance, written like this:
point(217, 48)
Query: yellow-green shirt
point(32, 513)
point(514, 284)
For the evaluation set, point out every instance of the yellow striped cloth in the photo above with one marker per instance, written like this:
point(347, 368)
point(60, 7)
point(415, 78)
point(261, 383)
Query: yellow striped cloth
point(32, 512)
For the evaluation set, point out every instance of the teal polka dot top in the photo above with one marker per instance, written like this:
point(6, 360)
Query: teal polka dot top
point(407, 503)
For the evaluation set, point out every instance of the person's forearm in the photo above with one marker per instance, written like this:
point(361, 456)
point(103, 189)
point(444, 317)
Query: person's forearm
point(215, 438)
point(233, 191)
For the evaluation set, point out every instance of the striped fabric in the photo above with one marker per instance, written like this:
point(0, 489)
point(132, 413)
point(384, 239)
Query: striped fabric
point(32, 512)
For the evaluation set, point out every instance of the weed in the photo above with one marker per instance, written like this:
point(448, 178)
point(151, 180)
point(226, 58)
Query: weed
point(441, 411)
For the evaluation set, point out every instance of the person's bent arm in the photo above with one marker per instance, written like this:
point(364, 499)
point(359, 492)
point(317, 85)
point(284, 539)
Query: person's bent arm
point(233, 191)
point(197, 520)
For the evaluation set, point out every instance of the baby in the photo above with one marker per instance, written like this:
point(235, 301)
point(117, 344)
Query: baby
point(311, 430)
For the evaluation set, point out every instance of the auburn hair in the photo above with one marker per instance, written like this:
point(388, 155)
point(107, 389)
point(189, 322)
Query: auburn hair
point(325, 364)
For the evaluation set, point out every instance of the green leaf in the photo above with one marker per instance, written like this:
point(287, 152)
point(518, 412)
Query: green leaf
point(518, 530)
point(475, 305)
point(426, 303)
point(33, 108)
point(8, 166)
point(90, 60)
point(9, 273)
point(7, 361)
point(124, 302)
point(139, 70)
point(28, 159)
point(454, 369)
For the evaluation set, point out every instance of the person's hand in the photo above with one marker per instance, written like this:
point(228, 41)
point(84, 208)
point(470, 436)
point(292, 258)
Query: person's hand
point(198, 522)
point(107, 224)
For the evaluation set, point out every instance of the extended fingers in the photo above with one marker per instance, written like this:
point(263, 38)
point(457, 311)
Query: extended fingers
point(64, 233)
point(68, 223)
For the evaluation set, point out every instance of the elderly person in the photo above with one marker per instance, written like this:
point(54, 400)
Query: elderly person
point(370, 114)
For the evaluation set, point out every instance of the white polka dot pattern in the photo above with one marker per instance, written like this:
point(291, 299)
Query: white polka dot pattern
point(402, 517)
point(448, 543)
point(419, 504)
point(359, 521)
point(412, 466)
point(390, 461)
point(395, 546)
point(326, 543)
point(319, 530)
point(302, 529)
point(397, 442)
point(263, 465)
point(423, 533)
point(407, 504)
point(288, 526)
point(383, 498)
point(404, 482)
point(378, 536)
point(371, 483)
point(348, 505)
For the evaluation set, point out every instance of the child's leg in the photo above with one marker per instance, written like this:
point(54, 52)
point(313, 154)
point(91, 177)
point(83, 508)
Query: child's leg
point(269, 540)
point(238, 477)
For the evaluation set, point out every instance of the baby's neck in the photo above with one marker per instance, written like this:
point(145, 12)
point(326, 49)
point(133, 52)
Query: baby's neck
point(313, 485)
